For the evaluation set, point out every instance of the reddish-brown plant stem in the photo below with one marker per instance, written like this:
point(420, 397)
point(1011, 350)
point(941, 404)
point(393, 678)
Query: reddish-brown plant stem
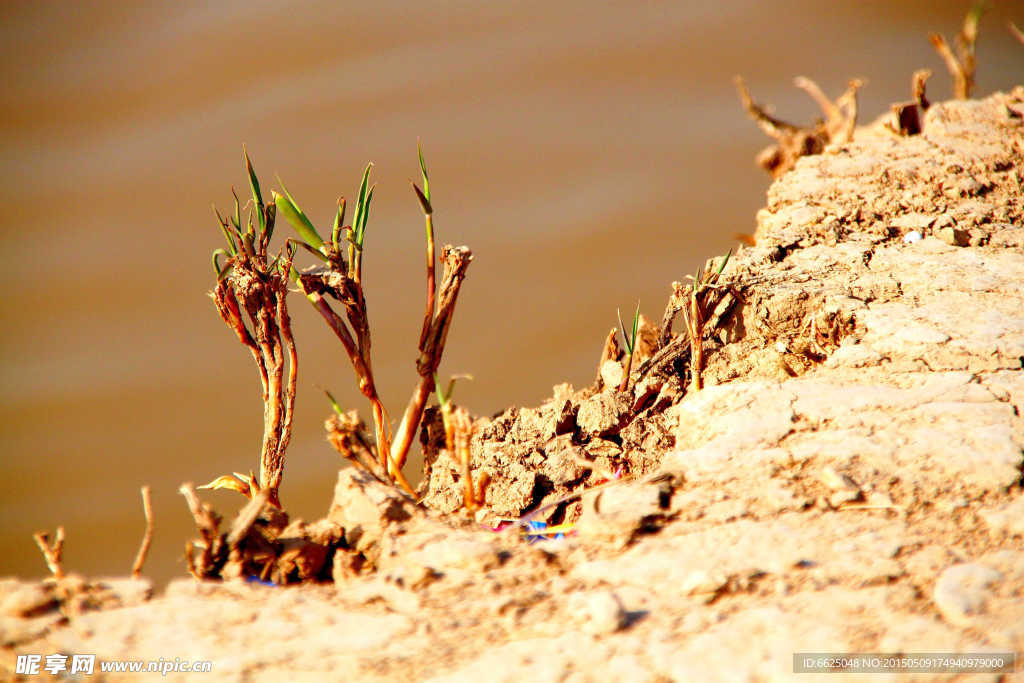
point(261, 291)
point(456, 261)
point(358, 354)
point(428, 215)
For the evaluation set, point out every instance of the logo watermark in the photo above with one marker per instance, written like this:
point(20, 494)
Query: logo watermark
point(87, 665)
point(904, 662)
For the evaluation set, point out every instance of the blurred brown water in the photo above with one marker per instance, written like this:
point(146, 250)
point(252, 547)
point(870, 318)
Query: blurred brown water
point(589, 153)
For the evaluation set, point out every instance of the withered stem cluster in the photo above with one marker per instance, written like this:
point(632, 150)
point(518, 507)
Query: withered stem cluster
point(456, 261)
point(458, 431)
point(342, 281)
point(259, 290)
point(696, 303)
point(792, 141)
point(962, 64)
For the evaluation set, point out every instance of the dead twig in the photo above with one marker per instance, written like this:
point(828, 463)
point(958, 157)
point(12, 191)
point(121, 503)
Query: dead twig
point(1017, 33)
point(211, 548)
point(462, 432)
point(841, 115)
point(793, 141)
point(695, 315)
point(246, 518)
point(53, 554)
point(961, 66)
point(147, 538)
point(908, 117)
point(347, 434)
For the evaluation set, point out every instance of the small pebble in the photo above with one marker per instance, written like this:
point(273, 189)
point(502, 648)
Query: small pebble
point(954, 237)
point(912, 236)
point(598, 612)
point(612, 373)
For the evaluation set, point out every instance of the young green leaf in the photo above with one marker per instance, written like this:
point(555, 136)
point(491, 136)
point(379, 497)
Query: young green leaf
point(218, 271)
point(442, 396)
point(310, 249)
point(630, 339)
point(724, 261)
point(424, 202)
point(232, 247)
point(445, 396)
point(636, 325)
point(366, 215)
point(359, 229)
point(358, 220)
point(236, 220)
point(254, 185)
point(334, 404)
point(290, 210)
point(423, 170)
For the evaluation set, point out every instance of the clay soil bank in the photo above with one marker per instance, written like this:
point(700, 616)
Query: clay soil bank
point(849, 480)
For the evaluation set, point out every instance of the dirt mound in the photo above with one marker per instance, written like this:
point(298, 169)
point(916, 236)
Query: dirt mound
point(848, 479)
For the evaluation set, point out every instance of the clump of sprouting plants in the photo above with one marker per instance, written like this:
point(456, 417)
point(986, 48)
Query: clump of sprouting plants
point(250, 296)
point(334, 287)
point(696, 309)
point(458, 430)
point(630, 341)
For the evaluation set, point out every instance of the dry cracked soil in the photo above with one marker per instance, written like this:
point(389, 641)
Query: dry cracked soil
point(848, 480)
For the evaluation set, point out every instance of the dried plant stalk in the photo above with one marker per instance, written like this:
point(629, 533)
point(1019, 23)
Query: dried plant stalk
point(340, 279)
point(211, 548)
point(908, 117)
point(333, 280)
point(841, 115)
point(961, 66)
point(792, 141)
point(695, 315)
point(458, 428)
point(147, 538)
point(456, 262)
point(53, 554)
point(261, 293)
point(347, 434)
